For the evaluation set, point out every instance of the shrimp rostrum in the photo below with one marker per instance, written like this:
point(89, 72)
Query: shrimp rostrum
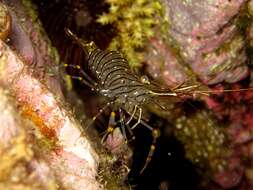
point(113, 78)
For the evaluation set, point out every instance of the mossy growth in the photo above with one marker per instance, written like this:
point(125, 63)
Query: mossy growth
point(134, 22)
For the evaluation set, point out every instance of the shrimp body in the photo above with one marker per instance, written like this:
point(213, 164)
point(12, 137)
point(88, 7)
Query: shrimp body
point(113, 78)
point(116, 80)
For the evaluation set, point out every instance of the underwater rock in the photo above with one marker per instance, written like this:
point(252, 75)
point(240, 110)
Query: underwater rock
point(22, 167)
point(67, 157)
point(163, 64)
point(236, 108)
point(204, 41)
point(201, 28)
point(209, 40)
point(205, 36)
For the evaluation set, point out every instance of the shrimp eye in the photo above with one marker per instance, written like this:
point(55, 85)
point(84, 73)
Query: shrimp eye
point(145, 80)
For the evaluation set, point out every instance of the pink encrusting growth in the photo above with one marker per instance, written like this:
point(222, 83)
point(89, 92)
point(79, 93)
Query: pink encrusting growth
point(237, 109)
point(21, 166)
point(31, 93)
point(211, 39)
point(163, 64)
point(72, 159)
point(205, 35)
point(30, 41)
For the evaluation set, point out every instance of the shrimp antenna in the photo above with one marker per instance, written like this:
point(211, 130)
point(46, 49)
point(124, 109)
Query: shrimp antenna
point(228, 90)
